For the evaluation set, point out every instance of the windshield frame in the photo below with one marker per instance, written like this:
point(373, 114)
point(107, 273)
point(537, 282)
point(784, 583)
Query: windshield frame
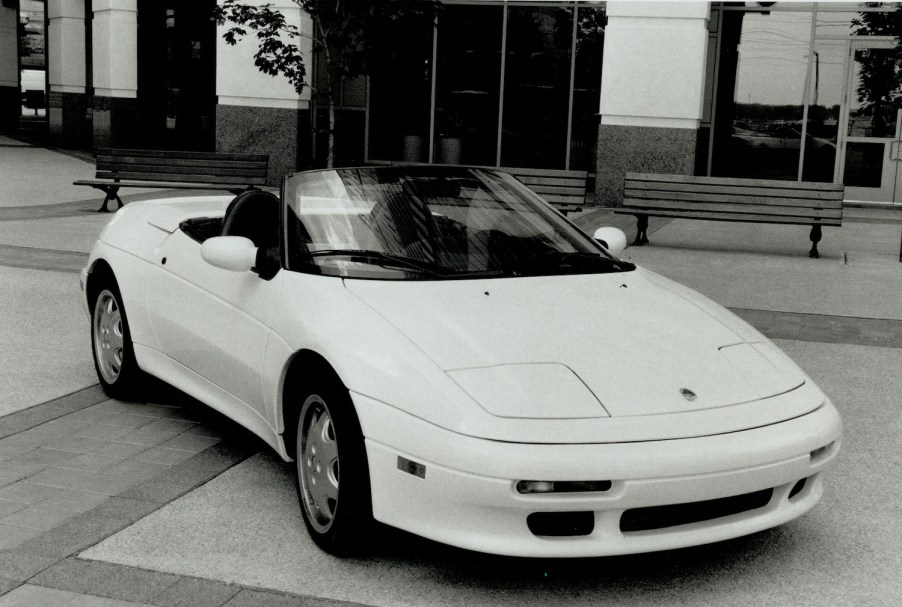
point(550, 217)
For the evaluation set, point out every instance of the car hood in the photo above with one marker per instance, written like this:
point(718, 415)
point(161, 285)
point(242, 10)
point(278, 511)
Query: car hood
point(631, 343)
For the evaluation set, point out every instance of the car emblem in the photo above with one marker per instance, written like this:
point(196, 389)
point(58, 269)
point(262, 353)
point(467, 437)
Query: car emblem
point(688, 394)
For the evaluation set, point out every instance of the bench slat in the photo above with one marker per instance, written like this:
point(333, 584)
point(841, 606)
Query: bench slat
point(547, 189)
point(518, 171)
point(730, 189)
point(559, 199)
point(552, 181)
point(162, 184)
point(691, 197)
point(180, 154)
point(740, 217)
point(650, 207)
point(735, 181)
point(153, 171)
point(107, 162)
point(189, 177)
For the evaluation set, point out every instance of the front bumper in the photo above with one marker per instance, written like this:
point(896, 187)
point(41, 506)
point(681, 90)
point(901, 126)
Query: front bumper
point(467, 496)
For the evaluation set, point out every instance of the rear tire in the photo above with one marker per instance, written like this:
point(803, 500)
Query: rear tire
point(332, 472)
point(111, 343)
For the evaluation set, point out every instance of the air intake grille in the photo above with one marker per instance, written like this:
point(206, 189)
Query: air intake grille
point(661, 517)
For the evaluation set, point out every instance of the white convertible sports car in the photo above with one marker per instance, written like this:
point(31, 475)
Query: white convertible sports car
point(439, 350)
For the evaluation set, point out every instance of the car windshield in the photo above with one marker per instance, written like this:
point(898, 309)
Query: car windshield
point(430, 223)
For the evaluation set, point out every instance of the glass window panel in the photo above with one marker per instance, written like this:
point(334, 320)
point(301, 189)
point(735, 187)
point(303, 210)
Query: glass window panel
point(876, 94)
point(468, 81)
point(827, 88)
point(857, 23)
point(400, 91)
point(764, 60)
point(587, 87)
point(537, 85)
point(864, 164)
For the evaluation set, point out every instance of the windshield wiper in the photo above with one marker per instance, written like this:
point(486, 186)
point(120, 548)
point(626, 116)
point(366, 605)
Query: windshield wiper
point(384, 259)
point(573, 262)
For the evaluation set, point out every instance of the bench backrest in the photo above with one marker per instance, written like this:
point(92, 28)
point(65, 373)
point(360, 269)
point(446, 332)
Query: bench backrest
point(559, 187)
point(757, 199)
point(182, 167)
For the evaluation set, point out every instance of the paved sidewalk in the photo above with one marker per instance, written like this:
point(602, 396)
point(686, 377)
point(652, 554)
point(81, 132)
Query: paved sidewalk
point(166, 502)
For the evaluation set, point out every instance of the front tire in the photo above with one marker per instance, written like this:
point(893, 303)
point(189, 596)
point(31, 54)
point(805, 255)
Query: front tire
point(332, 471)
point(111, 344)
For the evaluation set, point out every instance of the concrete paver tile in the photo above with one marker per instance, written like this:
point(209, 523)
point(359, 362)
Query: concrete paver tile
point(168, 424)
point(37, 516)
point(133, 468)
point(105, 579)
point(10, 473)
point(73, 535)
point(10, 450)
point(31, 438)
point(11, 536)
point(125, 508)
point(204, 430)
point(75, 500)
point(6, 585)
point(104, 431)
point(8, 507)
point(193, 592)
point(149, 438)
point(164, 455)
point(89, 462)
point(120, 450)
point(27, 492)
point(19, 565)
point(259, 598)
point(127, 420)
point(139, 409)
point(89, 600)
point(64, 426)
point(86, 481)
point(42, 456)
point(189, 442)
point(29, 595)
point(160, 490)
point(79, 444)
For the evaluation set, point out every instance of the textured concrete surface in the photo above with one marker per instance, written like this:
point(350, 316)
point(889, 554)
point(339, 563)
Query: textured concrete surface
point(244, 527)
point(766, 267)
point(37, 176)
point(44, 334)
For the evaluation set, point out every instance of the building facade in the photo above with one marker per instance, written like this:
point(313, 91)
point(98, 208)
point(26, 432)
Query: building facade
point(759, 90)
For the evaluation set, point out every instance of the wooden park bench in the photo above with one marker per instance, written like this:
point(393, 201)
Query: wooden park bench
point(175, 169)
point(564, 190)
point(727, 199)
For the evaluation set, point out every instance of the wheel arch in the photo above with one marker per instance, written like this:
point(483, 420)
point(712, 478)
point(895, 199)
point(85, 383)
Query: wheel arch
point(303, 366)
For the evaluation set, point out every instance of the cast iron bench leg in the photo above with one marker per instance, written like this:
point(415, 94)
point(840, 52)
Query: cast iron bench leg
point(111, 194)
point(815, 238)
point(642, 227)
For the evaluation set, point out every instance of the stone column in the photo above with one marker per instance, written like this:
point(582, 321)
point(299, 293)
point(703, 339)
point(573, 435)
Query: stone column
point(260, 113)
point(10, 100)
point(652, 87)
point(115, 72)
point(67, 120)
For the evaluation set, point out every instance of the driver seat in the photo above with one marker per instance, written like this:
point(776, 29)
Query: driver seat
point(255, 215)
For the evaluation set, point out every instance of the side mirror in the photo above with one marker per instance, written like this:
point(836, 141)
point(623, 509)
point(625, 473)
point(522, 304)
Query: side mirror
point(234, 253)
point(613, 239)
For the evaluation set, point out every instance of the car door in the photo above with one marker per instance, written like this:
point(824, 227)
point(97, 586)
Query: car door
point(213, 321)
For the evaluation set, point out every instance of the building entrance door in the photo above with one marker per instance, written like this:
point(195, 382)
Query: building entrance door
point(871, 151)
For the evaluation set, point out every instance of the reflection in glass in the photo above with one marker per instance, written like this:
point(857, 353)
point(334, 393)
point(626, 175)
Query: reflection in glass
point(537, 83)
point(400, 91)
point(827, 89)
point(759, 128)
point(877, 95)
point(468, 84)
point(587, 87)
point(864, 164)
